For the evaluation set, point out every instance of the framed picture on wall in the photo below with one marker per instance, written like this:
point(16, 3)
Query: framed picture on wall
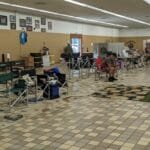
point(49, 25)
point(43, 21)
point(28, 28)
point(13, 26)
point(43, 29)
point(22, 22)
point(29, 20)
point(12, 18)
point(37, 24)
point(3, 20)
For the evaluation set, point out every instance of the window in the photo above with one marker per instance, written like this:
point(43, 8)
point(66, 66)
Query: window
point(76, 42)
point(76, 45)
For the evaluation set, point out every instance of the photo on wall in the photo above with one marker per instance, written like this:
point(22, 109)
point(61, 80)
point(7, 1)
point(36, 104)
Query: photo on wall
point(49, 25)
point(28, 28)
point(29, 20)
point(43, 29)
point(13, 26)
point(43, 21)
point(22, 22)
point(37, 24)
point(12, 18)
point(3, 20)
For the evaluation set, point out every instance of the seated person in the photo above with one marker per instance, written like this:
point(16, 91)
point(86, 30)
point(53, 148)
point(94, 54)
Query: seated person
point(119, 64)
point(101, 64)
point(147, 54)
point(111, 67)
point(104, 66)
point(147, 50)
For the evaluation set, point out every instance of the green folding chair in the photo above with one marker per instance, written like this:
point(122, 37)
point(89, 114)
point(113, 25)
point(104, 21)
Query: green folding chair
point(4, 78)
point(19, 89)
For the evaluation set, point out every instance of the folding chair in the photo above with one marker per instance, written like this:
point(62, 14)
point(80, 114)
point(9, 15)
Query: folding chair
point(98, 71)
point(60, 77)
point(20, 89)
point(45, 82)
point(101, 70)
point(30, 76)
point(4, 66)
point(4, 78)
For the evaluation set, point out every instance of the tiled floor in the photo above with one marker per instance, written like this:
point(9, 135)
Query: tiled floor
point(81, 121)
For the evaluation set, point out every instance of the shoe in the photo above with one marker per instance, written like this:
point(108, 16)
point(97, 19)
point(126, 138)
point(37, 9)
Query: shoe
point(110, 79)
point(115, 78)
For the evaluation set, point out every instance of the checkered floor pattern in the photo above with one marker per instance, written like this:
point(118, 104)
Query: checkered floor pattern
point(80, 121)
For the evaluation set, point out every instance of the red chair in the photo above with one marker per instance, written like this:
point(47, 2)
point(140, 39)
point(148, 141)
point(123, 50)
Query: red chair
point(98, 63)
point(101, 68)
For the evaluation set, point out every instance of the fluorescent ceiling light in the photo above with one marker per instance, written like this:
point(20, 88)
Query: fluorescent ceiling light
point(62, 15)
point(147, 1)
point(108, 12)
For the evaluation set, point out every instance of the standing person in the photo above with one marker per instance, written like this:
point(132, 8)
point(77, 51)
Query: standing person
point(45, 57)
point(45, 50)
point(87, 50)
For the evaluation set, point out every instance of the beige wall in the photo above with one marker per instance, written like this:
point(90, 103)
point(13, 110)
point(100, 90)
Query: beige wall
point(138, 40)
point(88, 40)
point(55, 41)
point(9, 42)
